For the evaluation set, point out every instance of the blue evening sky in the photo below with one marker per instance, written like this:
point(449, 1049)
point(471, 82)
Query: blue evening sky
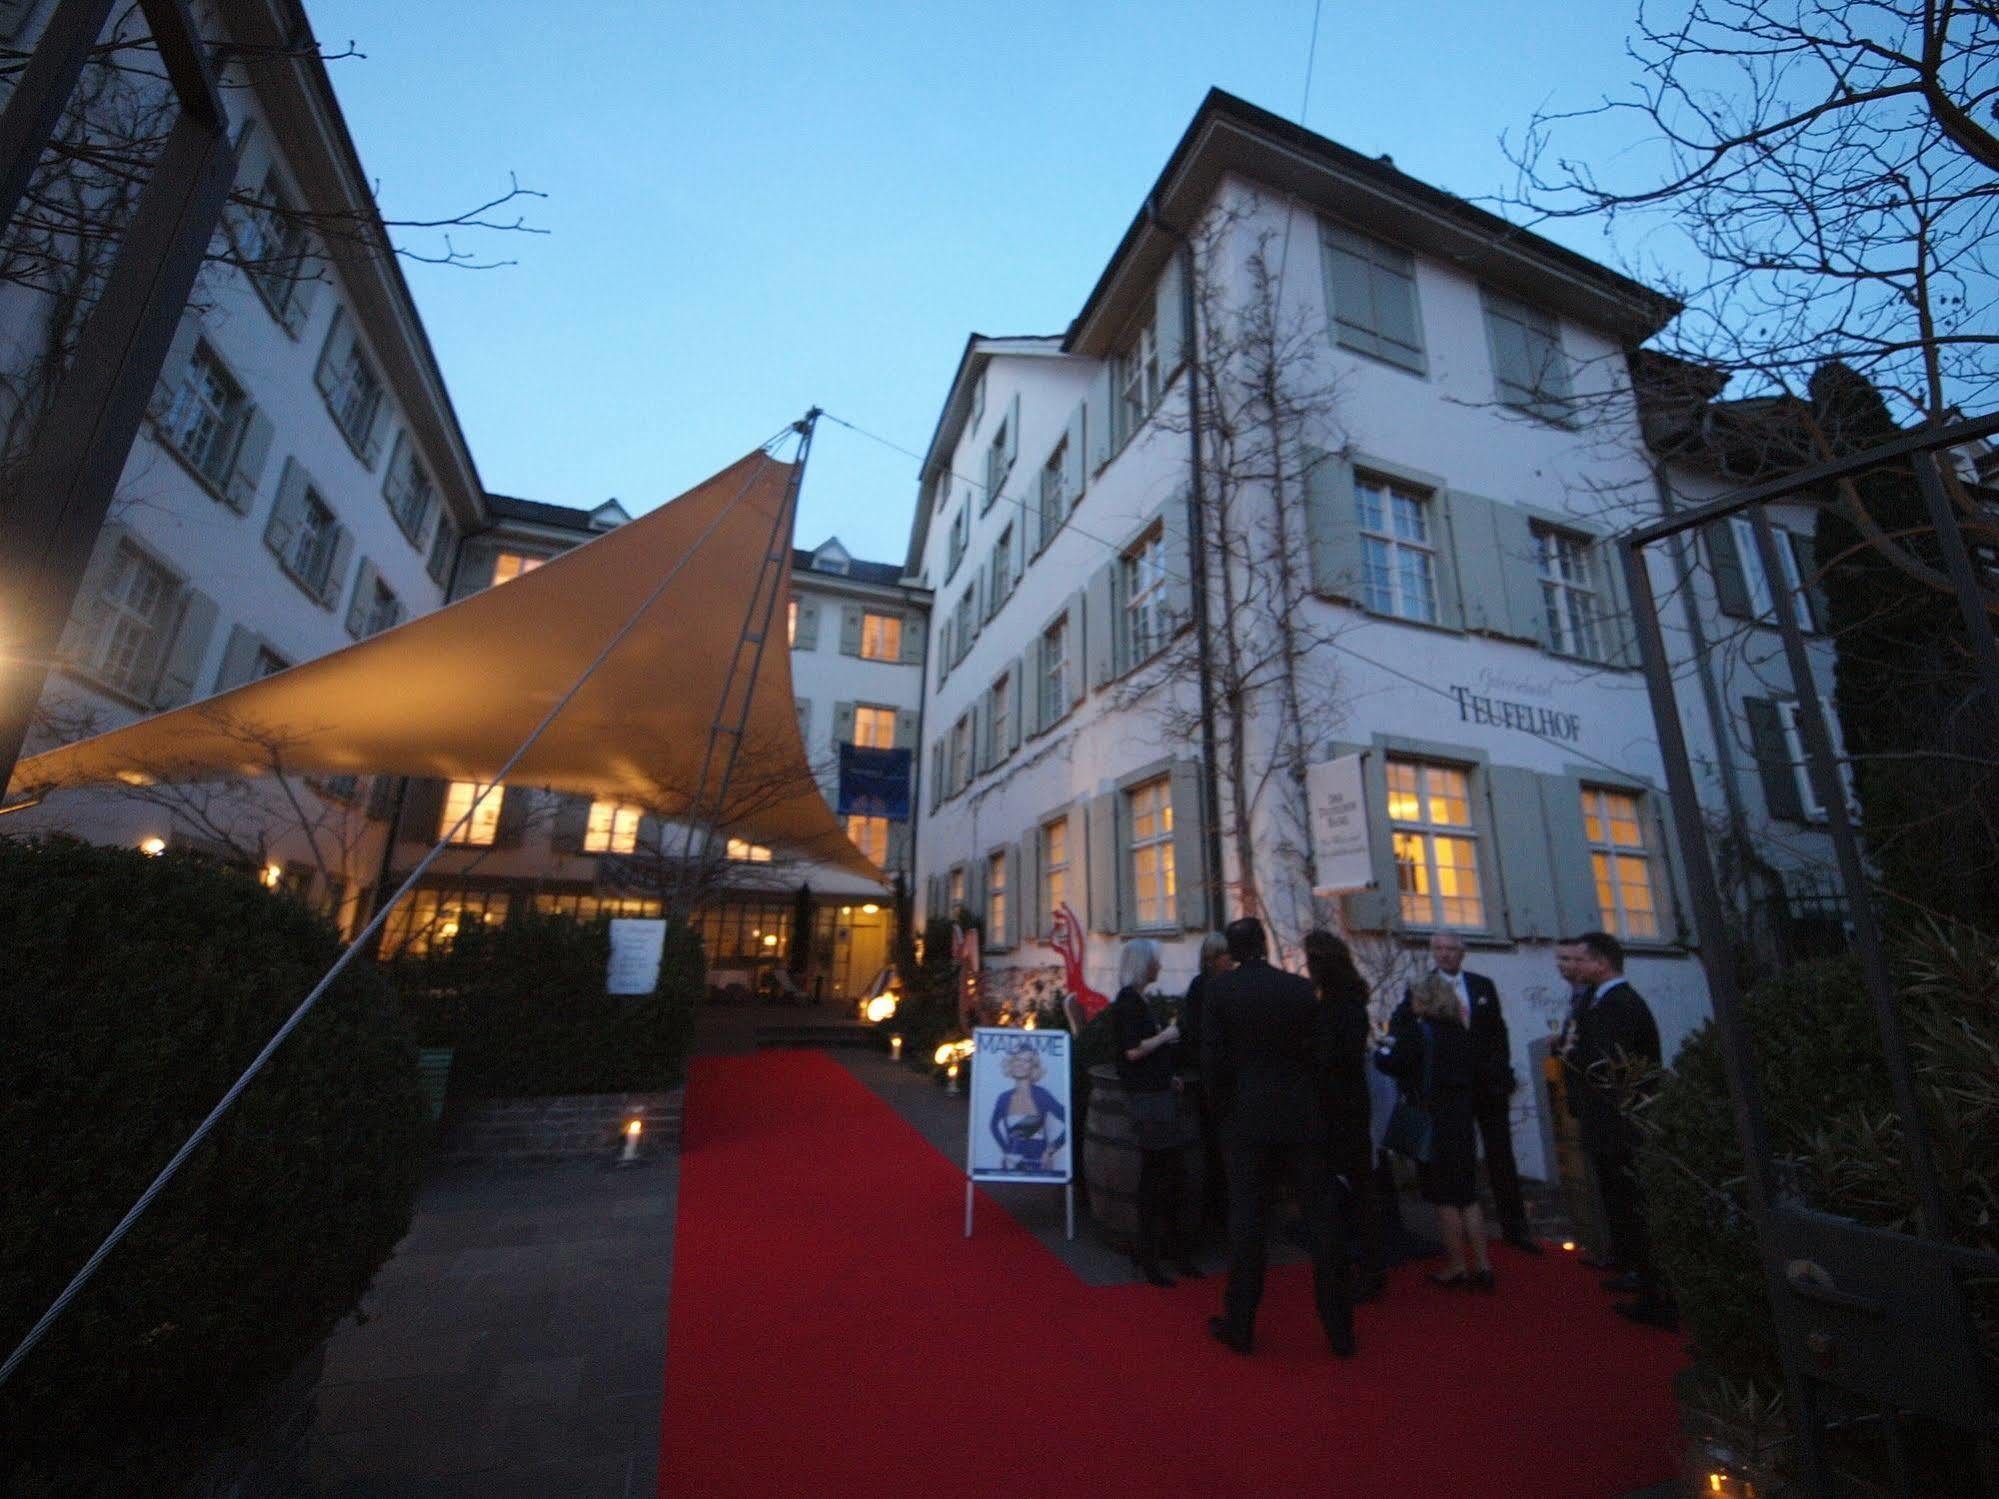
point(758, 207)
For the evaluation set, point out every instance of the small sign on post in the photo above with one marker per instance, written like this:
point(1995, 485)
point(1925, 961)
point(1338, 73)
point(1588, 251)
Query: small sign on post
point(1340, 843)
point(637, 944)
point(1018, 1132)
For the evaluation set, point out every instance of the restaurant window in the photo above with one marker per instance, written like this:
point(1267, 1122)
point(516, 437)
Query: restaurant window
point(1436, 844)
point(611, 829)
point(1627, 901)
point(1150, 808)
point(483, 802)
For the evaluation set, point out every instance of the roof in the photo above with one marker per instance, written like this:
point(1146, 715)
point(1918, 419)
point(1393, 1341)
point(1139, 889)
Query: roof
point(887, 573)
point(540, 512)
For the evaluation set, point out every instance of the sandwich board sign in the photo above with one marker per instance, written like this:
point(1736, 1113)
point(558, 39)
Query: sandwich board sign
point(1018, 1133)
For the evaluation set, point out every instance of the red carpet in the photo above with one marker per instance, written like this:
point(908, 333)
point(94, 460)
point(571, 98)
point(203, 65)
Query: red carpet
point(832, 1332)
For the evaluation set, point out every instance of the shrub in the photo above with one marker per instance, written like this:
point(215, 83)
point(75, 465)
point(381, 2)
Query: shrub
point(133, 993)
point(928, 1013)
point(523, 1007)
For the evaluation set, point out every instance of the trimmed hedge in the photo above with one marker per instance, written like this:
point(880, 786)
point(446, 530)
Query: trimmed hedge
point(133, 992)
point(523, 1007)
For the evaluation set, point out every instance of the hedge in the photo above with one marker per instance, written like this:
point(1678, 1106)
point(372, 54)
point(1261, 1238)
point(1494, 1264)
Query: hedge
point(133, 992)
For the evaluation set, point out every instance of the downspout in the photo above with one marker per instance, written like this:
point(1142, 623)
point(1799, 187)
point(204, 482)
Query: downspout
point(1197, 576)
point(906, 908)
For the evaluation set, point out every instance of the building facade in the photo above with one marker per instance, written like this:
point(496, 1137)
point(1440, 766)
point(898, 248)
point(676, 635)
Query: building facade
point(1378, 442)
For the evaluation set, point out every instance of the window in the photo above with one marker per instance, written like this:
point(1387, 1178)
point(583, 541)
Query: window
point(996, 901)
point(310, 558)
point(356, 395)
point(881, 637)
point(961, 753)
point(432, 918)
point(964, 627)
point(1398, 558)
point(1527, 360)
point(611, 829)
point(376, 610)
point(137, 618)
point(1568, 594)
point(960, 537)
point(997, 464)
point(874, 728)
point(1055, 863)
point(742, 851)
point(1615, 825)
point(582, 907)
point(999, 719)
point(1054, 491)
point(1436, 847)
point(206, 418)
point(1809, 800)
point(1371, 289)
point(484, 824)
point(508, 566)
point(269, 663)
point(1134, 383)
point(1054, 674)
point(443, 547)
point(956, 888)
point(1152, 878)
point(1002, 572)
point(408, 489)
point(1796, 569)
point(870, 836)
point(1145, 621)
point(272, 243)
point(791, 623)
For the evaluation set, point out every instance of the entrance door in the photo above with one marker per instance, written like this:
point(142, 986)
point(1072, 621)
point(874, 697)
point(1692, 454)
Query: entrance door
point(860, 948)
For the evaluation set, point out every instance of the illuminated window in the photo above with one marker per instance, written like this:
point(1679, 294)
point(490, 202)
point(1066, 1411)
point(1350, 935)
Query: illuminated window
point(874, 728)
point(612, 829)
point(996, 901)
point(1615, 825)
point(1568, 592)
point(1152, 873)
point(1398, 557)
point(881, 637)
point(429, 919)
point(510, 565)
point(1145, 597)
point(870, 836)
point(741, 851)
point(479, 830)
point(1055, 863)
point(1436, 845)
point(957, 889)
point(791, 623)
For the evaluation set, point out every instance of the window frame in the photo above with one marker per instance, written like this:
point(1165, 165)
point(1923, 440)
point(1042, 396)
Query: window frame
point(408, 495)
point(999, 900)
point(961, 758)
point(1428, 549)
point(225, 439)
point(1556, 586)
point(1756, 582)
point(155, 628)
point(885, 623)
point(1052, 871)
point(619, 832)
point(356, 397)
point(1381, 262)
point(878, 713)
point(1000, 708)
point(1543, 402)
point(1144, 620)
point(1053, 675)
point(319, 524)
point(1160, 841)
point(1052, 500)
point(1604, 846)
point(459, 797)
point(1472, 832)
point(862, 838)
point(1137, 383)
point(279, 240)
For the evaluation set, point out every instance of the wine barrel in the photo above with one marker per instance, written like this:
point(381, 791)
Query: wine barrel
point(1110, 1164)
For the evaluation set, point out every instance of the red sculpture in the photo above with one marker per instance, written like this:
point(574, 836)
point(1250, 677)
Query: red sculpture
point(1084, 1003)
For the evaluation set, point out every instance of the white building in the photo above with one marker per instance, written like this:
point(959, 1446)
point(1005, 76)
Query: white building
point(1413, 564)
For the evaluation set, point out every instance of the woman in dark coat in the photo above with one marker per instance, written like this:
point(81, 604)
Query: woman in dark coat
point(1330, 966)
point(1431, 1055)
point(1145, 1065)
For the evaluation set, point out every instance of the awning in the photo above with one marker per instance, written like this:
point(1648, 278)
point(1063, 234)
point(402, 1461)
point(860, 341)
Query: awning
point(453, 693)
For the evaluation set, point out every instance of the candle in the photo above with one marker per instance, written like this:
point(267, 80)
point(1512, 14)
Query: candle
point(632, 1133)
point(951, 1078)
point(895, 1048)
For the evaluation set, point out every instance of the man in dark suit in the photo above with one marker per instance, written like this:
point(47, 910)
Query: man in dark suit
point(1492, 1062)
point(1614, 1051)
point(1266, 1047)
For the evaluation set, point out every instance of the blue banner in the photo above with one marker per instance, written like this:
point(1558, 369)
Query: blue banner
point(874, 783)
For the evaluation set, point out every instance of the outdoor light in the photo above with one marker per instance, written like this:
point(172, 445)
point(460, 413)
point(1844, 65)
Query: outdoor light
point(632, 1132)
point(869, 909)
point(153, 847)
point(1569, 1245)
point(1729, 1485)
point(271, 875)
point(771, 940)
point(951, 1079)
point(895, 1048)
point(880, 1008)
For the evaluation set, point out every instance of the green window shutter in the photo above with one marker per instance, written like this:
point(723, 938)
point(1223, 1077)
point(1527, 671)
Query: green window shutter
point(442, 546)
point(1617, 630)
point(1332, 528)
point(898, 847)
point(1669, 874)
point(1102, 823)
point(1010, 454)
point(1520, 838)
point(850, 629)
point(1731, 585)
point(843, 723)
point(182, 668)
point(1804, 554)
point(1127, 892)
point(333, 353)
point(913, 631)
point(1098, 421)
point(1030, 926)
point(239, 658)
point(808, 626)
point(515, 804)
point(1568, 854)
point(975, 888)
point(982, 733)
point(1497, 568)
point(1028, 668)
point(1444, 531)
point(336, 572)
point(936, 775)
point(252, 453)
point(906, 721)
point(287, 511)
point(89, 612)
point(363, 599)
point(1170, 316)
point(1075, 466)
point(1774, 766)
point(423, 812)
point(1190, 857)
point(1100, 629)
point(1017, 683)
point(1078, 676)
point(571, 822)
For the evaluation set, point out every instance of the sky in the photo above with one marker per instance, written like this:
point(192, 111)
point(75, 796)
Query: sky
point(756, 208)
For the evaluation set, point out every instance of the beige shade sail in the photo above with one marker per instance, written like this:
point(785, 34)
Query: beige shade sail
point(453, 693)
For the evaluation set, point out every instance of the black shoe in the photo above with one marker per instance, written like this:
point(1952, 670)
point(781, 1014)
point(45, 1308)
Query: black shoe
point(1524, 1242)
point(1152, 1273)
point(1342, 1342)
point(1482, 1280)
point(1627, 1284)
point(1649, 1312)
point(1228, 1337)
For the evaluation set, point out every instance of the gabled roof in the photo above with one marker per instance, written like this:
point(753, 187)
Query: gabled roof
point(542, 513)
point(812, 559)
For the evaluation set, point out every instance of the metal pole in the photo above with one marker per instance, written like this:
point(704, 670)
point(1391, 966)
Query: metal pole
point(1824, 770)
point(35, 107)
point(1964, 578)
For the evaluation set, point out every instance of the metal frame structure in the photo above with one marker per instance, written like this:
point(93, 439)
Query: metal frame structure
point(53, 502)
point(1878, 1316)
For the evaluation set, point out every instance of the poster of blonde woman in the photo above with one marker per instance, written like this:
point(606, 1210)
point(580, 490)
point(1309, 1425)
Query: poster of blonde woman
point(1018, 1130)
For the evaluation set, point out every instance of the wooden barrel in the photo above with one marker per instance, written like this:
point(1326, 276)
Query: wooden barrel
point(1110, 1163)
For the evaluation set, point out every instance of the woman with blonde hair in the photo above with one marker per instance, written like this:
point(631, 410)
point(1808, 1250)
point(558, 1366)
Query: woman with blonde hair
point(1431, 1055)
point(1145, 1063)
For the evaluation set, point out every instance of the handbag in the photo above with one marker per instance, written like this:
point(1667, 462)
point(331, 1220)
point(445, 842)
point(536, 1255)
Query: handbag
point(1411, 1132)
point(1156, 1121)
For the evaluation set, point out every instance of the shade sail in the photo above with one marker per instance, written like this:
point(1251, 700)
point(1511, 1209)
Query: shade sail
point(452, 694)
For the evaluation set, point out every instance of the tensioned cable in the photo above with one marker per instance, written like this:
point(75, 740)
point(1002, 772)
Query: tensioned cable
point(202, 1130)
point(1311, 55)
point(1069, 523)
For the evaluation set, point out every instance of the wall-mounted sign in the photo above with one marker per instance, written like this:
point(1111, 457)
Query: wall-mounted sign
point(637, 944)
point(1549, 723)
point(1339, 825)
